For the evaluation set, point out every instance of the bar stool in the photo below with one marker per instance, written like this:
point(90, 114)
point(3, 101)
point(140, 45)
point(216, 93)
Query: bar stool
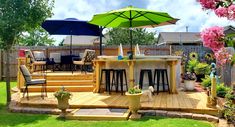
point(118, 74)
point(142, 72)
point(158, 73)
point(107, 73)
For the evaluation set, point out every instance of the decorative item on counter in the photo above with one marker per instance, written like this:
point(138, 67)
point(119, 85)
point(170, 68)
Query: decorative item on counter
point(137, 50)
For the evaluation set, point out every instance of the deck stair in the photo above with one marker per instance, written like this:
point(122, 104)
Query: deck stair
point(76, 82)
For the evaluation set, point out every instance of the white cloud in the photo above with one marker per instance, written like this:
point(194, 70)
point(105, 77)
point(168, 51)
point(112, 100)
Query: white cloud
point(188, 11)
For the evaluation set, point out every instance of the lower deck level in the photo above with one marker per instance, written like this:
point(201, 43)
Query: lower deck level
point(193, 102)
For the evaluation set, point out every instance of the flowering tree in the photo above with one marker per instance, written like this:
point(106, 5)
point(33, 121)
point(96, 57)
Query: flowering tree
point(214, 37)
point(222, 8)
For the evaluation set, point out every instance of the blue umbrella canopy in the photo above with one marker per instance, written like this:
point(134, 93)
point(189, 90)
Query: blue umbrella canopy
point(70, 26)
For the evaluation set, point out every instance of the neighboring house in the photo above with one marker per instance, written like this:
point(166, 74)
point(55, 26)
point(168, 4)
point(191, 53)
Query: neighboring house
point(84, 40)
point(80, 40)
point(179, 38)
point(229, 30)
point(185, 38)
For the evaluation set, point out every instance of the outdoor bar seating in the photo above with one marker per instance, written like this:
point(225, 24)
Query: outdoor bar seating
point(149, 74)
point(134, 66)
point(118, 75)
point(161, 73)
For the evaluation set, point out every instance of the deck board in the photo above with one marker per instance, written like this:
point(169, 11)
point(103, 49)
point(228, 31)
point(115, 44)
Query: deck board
point(184, 101)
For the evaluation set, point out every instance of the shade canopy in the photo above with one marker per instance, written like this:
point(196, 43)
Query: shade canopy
point(70, 26)
point(132, 17)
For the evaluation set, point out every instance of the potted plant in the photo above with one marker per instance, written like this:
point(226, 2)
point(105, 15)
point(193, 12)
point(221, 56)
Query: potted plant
point(202, 69)
point(191, 65)
point(189, 80)
point(63, 97)
point(134, 95)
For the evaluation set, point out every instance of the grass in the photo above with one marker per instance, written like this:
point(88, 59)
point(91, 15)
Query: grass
point(35, 120)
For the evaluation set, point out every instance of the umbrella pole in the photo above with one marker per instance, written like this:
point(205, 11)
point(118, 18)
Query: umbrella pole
point(131, 56)
point(101, 29)
point(71, 52)
point(71, 44)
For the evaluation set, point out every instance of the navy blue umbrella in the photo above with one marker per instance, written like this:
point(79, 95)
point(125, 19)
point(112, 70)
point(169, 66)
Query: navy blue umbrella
point(70, 26)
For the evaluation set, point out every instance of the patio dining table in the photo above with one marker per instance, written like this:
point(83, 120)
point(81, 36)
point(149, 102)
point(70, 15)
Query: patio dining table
point(133, 68)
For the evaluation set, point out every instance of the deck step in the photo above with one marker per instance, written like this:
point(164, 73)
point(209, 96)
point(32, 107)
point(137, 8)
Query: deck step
point(69, 82)
point(56, 88)
point(65, 77)
point(99, 114)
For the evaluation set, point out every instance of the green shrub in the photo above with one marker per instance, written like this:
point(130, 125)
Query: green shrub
point(206, 82)
point(202, 69)
point(222, 90)
point(191, 65)
point(134, 90)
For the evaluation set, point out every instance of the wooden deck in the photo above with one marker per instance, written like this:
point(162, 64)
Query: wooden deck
point(193, 102)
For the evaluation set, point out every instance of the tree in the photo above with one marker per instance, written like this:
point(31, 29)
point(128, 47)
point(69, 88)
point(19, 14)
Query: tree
point(17, 16)
point(140, 36)
point(35, 37)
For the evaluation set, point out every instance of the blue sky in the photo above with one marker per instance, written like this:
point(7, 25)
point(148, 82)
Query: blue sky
point(189, 12)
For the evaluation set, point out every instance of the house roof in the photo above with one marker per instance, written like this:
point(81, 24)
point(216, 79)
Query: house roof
point(229, 29)
point(179, 37)
point(80, 40)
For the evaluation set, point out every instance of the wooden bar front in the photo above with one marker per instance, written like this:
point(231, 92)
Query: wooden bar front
point(171, 61)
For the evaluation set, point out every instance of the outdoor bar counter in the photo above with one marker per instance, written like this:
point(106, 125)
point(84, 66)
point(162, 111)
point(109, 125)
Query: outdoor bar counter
point(133, 67)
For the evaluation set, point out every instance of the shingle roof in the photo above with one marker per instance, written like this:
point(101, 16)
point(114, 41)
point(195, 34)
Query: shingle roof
point(177, 37)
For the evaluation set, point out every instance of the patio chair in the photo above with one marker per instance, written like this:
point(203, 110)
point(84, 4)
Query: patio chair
point(30, 82)
point(56, 58)
point(37, 59)
point(88, 57)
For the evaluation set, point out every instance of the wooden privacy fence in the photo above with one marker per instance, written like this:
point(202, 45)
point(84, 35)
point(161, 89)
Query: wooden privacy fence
point(76, 50)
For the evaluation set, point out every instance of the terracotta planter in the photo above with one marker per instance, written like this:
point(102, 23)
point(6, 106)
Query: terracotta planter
point(134, 102)
point(189, 84)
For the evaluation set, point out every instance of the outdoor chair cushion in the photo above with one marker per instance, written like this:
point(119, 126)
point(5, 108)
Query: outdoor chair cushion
point(36, 81)
point(25, 73)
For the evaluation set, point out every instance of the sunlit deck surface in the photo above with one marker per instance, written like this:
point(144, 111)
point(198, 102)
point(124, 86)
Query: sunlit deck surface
point(193, 102)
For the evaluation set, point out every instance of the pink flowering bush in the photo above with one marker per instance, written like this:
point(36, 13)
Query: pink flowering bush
point(231, 12)
point(213, 38)
point(222, 8)
point(222, 56)
point(222, 12)
point(208, 4)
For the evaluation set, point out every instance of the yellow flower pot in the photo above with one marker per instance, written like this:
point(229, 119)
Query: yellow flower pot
point(134, 102)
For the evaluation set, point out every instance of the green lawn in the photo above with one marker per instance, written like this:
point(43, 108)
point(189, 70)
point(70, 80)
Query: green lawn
point(31, 120)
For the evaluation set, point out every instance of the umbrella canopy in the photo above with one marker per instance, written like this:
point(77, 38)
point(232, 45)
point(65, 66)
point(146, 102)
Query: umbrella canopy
point(132, 17)
point(70, 26)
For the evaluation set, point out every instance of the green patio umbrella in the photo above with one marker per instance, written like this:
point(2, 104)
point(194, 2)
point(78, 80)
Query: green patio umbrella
point(130, 17)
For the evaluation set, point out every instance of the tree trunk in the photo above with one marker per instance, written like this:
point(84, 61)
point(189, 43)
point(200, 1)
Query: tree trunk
point(7, 73)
